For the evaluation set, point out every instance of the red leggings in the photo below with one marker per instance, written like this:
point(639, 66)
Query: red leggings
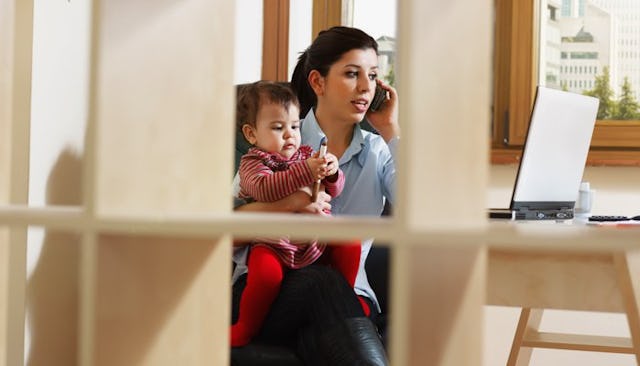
point(265, 273)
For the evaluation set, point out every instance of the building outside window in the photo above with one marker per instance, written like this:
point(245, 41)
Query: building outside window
point(591, 48)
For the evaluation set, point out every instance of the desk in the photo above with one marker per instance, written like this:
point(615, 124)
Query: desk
point(551, 270)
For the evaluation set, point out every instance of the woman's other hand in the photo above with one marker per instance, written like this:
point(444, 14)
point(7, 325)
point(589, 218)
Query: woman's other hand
point(321, 206)
point(385, 119)
point(299, 201)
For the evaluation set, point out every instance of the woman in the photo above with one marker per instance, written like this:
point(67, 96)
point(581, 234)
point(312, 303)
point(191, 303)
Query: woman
point(335, 80)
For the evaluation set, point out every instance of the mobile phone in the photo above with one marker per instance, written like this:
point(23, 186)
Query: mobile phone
point(378, 99)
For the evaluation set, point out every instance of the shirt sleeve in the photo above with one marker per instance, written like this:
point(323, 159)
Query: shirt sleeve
point(334, 188)
point(387, 167)
point(262, 184)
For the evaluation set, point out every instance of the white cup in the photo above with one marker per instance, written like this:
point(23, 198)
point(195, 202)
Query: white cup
point(584, 201)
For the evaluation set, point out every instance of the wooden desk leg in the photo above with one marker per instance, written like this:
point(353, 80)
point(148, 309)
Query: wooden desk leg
point(529, 321)
point(628, 269)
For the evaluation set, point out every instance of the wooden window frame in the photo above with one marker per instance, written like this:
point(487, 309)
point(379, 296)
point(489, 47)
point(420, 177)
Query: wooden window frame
point(614, 143)
point(326, 14)
point(275, 40)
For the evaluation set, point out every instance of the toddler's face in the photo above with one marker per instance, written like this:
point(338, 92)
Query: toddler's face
point(277, 129)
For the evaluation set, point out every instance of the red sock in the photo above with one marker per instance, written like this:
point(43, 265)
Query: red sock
point(365, 305)
point(346, 259)
point(263, 284)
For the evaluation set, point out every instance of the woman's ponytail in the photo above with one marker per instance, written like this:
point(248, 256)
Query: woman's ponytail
point(300, 84)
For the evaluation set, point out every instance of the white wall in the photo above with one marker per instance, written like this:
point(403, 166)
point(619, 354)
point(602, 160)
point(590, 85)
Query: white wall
point(616, 192)
point(59, 100)
point(60, 80)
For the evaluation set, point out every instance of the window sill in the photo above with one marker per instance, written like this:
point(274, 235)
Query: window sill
point(597, 157)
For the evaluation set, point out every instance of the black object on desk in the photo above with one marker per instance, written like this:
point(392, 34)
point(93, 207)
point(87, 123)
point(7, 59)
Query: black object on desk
point(608, 218)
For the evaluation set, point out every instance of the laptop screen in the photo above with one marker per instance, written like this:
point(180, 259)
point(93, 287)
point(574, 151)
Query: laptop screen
point(556, 148)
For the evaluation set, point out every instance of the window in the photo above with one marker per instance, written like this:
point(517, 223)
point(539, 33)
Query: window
point(585, 35)
point(300, 16)
point(532, 47)
point(248, 33)
point(374, 17)
point(378, 19)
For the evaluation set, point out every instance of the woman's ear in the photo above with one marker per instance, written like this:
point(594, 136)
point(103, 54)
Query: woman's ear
point(316, 81)
point(249, 133)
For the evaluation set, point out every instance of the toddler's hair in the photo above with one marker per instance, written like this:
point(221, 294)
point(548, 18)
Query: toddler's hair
point(252, 96)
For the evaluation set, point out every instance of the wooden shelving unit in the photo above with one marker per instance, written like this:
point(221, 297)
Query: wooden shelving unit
point(156, 220)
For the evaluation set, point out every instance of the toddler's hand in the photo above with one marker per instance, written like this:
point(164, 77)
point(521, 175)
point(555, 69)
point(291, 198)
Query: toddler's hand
point(318, 167)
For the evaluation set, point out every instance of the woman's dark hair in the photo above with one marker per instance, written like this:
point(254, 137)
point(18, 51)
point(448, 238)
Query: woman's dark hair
point(326, 49)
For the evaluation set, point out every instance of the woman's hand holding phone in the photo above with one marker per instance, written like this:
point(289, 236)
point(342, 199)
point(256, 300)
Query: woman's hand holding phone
point(385, 118)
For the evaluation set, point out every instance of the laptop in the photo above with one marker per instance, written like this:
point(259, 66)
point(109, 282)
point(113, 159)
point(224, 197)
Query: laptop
point(554, 156)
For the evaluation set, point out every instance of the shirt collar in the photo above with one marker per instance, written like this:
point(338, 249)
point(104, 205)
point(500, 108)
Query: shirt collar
point(312, 134)
point(310, 131)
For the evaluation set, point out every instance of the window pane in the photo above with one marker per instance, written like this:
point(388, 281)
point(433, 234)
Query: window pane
point(300, 21)
point(248, 41)
point(378, 18)
point(593, 47)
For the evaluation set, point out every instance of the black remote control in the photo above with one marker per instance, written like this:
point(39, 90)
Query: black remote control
point(608, 218)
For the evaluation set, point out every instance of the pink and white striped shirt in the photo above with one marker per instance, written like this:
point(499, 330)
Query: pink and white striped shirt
point(269, 177)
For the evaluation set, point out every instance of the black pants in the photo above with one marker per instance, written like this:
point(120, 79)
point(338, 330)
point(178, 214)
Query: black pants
point(315, 296)
point(318, 314)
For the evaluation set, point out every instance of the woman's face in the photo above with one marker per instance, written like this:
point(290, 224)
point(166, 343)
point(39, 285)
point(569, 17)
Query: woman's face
point(349, 86)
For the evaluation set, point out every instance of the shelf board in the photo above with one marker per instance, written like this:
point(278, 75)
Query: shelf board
point(562, 236)
point(56, 217)
point(498, 234)
point(203, 225)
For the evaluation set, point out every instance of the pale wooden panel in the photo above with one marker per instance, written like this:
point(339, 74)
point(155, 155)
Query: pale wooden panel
point(15, 98)
point(16, 29)
point(553, 280)
point(6, 41)
point(444, 54)
point(160, 141)
point(437, 302)
point(628, 267)
point(4, 291)
point(162, 301)
point(444, 89)
point(13, 257)
point(163, 105)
